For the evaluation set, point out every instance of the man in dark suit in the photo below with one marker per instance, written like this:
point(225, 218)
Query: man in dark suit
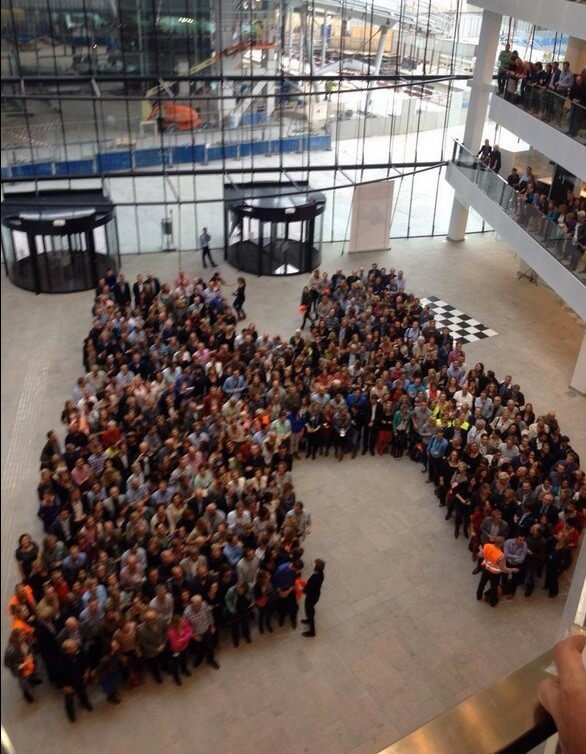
point(312, 594)
point(63, 527)
point(495, 159)
point(110, 278)
point(75, 673)
point(154, 283)
point(137, 289)
point(122, 291)
point(371, 415)
point(548, 509)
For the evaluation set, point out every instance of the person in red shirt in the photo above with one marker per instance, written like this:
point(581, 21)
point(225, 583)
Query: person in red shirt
point(111, 435)
point(60, 585)
point(566, 530)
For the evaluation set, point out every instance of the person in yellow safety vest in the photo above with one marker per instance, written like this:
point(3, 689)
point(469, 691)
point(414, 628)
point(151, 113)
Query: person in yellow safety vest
point(494, 565)
point(459, 429)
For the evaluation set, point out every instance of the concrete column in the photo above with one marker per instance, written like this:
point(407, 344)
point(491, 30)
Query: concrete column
point(578, 381)
point(271, 70)
point(324, 40)
point(576, 54)
point(458, 222)
point(378, 60)
point(480, 88)
point(302, 38)
point(289, 15)
point(384, 30)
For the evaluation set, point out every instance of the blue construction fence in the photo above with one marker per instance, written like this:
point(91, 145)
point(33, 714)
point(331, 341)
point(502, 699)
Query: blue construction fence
point(130, 159)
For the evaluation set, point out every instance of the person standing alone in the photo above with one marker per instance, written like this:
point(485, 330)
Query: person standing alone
point(204, 245)
point(239, 297)
point(312, 595)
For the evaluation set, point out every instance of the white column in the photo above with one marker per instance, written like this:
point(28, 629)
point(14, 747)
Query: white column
point(576, 54)
point(458, 222)
point(302, 38)
point(378, 60)
point(383, 30)
point(324, 40)
point(480, 88)
point(579, 377)
point(289, 15)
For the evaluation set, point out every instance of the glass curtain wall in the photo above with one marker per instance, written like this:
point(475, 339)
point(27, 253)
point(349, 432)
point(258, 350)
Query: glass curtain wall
point(165, 100)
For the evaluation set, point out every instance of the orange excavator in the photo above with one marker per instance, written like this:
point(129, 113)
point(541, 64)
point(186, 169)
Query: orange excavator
point(174, 117)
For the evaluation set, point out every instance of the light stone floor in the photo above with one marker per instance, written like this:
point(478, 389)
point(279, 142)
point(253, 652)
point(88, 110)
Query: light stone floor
point(400, 634)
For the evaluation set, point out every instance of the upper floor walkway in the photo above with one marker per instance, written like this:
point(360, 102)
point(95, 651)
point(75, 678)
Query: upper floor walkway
point(545, 246)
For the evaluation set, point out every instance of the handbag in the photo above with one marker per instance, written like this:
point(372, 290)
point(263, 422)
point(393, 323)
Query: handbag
point(299, 588)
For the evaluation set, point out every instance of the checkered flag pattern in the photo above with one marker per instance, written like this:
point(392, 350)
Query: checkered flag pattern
point(462, 326)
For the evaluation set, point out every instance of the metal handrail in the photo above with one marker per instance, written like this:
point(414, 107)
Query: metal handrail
point(552, 107)
point(547, 233)
point(505, 718)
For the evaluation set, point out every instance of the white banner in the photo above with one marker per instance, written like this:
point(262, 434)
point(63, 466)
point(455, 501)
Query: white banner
point(372, 207)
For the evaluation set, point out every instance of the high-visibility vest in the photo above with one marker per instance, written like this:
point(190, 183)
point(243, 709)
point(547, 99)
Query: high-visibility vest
point(492, 555)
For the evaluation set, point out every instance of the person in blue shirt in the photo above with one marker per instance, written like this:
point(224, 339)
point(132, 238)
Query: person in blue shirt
point(415, 388)
point(234, 385)
point(436, 452)
point(284, 582)
point(233, 549)
point(356, 398)
point(297, 419)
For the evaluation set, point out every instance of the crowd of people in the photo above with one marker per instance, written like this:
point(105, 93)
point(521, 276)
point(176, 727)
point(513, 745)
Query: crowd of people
point(562, 225)
point(170, 513)
point(548, 91)
point(563, 222)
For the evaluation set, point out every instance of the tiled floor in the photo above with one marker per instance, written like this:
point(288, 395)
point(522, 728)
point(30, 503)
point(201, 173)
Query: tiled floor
point(400, 635)
point(463, 327)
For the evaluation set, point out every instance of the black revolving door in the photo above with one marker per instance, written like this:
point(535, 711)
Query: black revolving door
point(273, 228)
point(58, 241)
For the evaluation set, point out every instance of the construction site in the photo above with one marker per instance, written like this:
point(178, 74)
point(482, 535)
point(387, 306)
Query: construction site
point(258, 72)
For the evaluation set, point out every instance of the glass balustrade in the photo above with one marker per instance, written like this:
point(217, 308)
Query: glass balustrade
point(557, 238)
point(554, 108)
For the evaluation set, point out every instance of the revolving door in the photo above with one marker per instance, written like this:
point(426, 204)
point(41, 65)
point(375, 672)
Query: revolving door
point(58, 241)
point(273, 228)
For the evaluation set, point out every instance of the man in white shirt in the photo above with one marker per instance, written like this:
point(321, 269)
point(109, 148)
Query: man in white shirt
point(237, 518)
point(247, 567)
point(302, 519)
point(463, 397)
point(204, 245)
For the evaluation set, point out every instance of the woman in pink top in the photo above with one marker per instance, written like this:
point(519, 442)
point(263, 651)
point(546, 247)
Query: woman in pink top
point(179, 635)
point(81, 472)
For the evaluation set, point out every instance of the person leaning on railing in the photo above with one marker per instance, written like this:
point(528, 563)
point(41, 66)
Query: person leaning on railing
point(562, 89)
point(578, 240)
point(545, 92)
point(503, 64)
point(513, 74)
point(577, 98)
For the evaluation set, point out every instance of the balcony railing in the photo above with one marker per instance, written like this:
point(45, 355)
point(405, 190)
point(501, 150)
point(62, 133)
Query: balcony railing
point(506, 718)
point(552, 107)
point(551, 236)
